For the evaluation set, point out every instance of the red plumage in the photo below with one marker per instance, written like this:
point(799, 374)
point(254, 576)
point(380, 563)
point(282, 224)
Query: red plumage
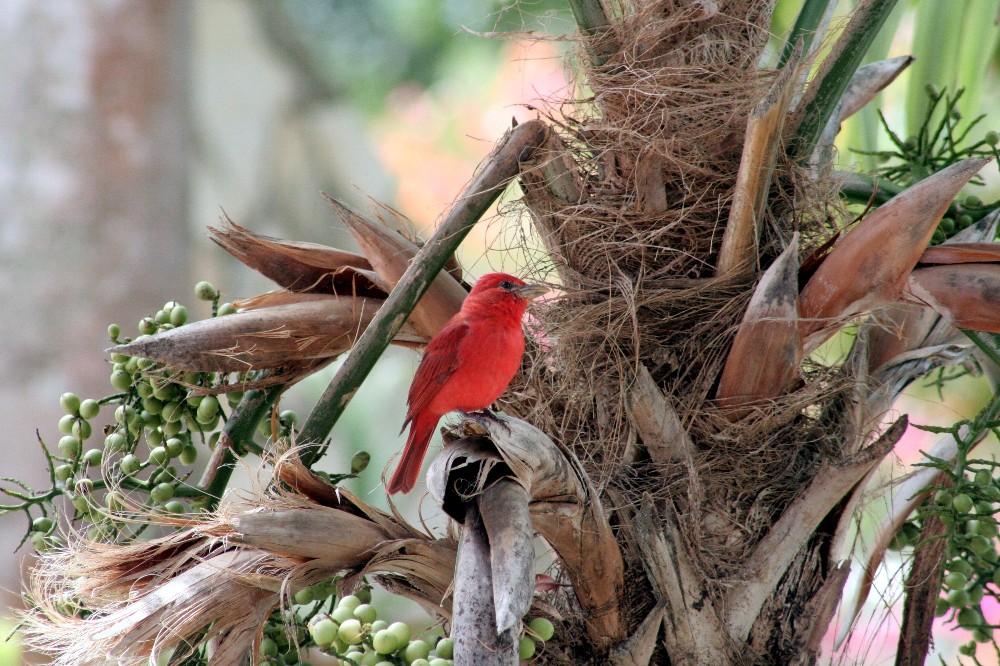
point(466, 366)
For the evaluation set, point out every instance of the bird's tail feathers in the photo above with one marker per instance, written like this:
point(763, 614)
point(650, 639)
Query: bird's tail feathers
point(408, 470)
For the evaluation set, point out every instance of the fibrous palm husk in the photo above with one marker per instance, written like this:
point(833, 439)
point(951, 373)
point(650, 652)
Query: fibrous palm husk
point(224, 573)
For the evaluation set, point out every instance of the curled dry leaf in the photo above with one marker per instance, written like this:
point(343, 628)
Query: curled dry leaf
point(308, 329)
point(961, 253)
point(967, 293)
point(299, 266)
point(770, 330)
point(871, 263)
point(390, 255)
point(565, 509)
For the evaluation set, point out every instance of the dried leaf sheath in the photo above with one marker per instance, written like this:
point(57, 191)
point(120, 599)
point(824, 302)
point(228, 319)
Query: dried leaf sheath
point(871, 263)
point(767, 350)
point(316, 327)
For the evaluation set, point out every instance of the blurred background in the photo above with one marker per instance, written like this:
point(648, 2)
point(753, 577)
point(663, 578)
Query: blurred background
point(129, 125)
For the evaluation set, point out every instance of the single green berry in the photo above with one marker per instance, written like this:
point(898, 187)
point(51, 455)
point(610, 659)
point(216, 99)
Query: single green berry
point(179, 315)
point(173, 428)
point(364, 593)
point(70, 446)
point(983, 478)
point(114, 330)
point(976, 595)
point(947, 225)
point(958, 598)
point(115, 443)
point(130, 464)
point(445, 648)
point(303, 596)
point(121, 380)
point(66, 424)
point(401, 630)
point(207, 409)
point(114, 501)
point(174, 506)
point(174, 446)
point(943, 498)
point(542, 628)
point(268, 648)
point(323, 632)
point(341, 614)
point(969, 617)
point(964, 221)
point(359, 462)
point(366, 613)
point(162, 492)
point(353, 657)
point(189, 455)
point(985, 527)
point(89, 408)
point(956, 580)
point(63, 472)
point(152, 405)
point(154, 437)
point(414, 650)
point(972, 201)
point(526, 648)
point(172, 412)
point(82, 429)
point(158, 456)
point(350, 631)
point(992, 138)
point(93, 457)
point(960, 565)
point(225, 309)
point(288, 418)
point(962, 503)
point(42, 524)
point(70, 403)
point(979, 544)
point(350, 602)
point(147, 326)
point(204, 291)
point(385, 642)
point(938, 237)
point(379, 625)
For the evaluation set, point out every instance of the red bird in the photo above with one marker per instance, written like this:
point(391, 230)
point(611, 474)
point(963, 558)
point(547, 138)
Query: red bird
point(467, 365)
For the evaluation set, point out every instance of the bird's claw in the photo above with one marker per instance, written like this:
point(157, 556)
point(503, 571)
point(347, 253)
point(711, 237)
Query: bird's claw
point(487, 415)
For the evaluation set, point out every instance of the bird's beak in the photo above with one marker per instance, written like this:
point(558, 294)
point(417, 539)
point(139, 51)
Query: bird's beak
point(530, 291)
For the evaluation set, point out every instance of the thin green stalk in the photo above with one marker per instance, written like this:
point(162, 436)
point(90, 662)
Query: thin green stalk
point(861, 188)
point(239, 429)
point(804, 28)
point(593, 23)
point(501, 167)
point(836, 72)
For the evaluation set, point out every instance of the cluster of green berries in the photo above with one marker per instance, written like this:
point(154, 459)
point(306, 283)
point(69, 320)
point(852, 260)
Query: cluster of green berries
point(969, 510)
point(353, 632)
point(970, 209)
point(155, 405)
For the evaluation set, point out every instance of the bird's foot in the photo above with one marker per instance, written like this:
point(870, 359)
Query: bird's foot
point(487, 415)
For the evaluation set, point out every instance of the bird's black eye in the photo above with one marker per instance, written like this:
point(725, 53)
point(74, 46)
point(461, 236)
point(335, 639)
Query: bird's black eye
point(506, 284)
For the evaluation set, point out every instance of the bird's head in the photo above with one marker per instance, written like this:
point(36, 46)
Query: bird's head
point(502, 292)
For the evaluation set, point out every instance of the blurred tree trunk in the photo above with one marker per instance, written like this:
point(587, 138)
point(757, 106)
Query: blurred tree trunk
point(93, 176)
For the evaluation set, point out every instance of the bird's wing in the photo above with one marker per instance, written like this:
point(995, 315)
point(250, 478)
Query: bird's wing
point(438, 364)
